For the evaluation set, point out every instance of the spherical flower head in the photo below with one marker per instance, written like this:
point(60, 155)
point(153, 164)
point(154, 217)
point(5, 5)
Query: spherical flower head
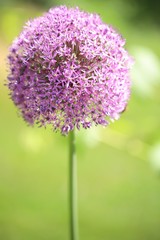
point(69, 69)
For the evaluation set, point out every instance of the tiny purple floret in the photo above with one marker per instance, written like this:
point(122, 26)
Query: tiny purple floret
point(70, 70)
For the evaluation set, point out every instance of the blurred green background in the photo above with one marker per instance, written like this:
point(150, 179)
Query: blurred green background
point(118, 167)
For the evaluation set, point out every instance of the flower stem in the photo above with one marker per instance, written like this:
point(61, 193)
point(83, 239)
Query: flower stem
point(73, 187)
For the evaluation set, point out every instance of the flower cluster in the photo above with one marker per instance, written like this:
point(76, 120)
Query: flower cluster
point(69, 69)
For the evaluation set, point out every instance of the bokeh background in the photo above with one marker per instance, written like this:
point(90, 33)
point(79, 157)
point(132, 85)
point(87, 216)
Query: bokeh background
point(118, 166)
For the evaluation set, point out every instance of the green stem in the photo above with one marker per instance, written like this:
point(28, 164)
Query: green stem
point(73, 187)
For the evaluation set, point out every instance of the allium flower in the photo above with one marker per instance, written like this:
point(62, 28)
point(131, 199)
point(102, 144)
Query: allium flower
point(69, 69)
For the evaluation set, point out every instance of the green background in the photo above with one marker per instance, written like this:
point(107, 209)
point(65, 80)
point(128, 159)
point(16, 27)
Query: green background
point(118, 166)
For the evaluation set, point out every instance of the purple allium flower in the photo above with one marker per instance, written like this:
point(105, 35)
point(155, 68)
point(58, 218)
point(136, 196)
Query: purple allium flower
point(69, 69)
